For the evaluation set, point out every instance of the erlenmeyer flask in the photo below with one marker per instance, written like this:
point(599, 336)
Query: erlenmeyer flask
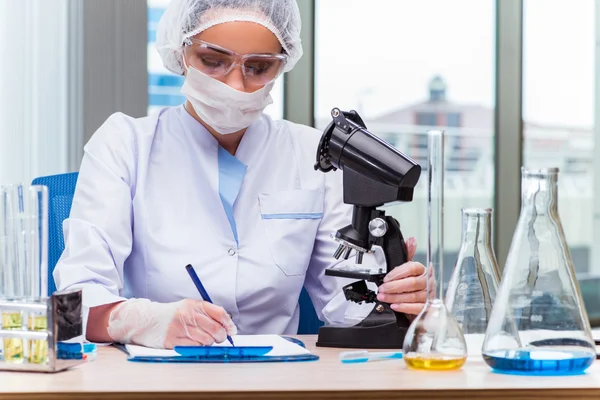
point(434, 340)
point(539, 324)
point(474, 283)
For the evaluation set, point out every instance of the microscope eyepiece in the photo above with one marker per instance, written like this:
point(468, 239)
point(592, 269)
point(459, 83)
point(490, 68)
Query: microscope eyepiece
point(373, 164)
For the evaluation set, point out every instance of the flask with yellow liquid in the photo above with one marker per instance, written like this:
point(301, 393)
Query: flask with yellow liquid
point(434, 341)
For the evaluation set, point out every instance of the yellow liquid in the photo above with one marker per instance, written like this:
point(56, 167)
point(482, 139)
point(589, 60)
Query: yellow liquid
point(433, 363)
point(38, 349)
point(13, 348)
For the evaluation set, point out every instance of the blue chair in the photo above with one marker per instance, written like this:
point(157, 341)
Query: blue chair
point(61, 189)
point(309, 322)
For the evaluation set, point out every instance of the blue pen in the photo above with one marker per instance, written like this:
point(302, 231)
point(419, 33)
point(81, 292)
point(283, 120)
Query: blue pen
point(202, 291)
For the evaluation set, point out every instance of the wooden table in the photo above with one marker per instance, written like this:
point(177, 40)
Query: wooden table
point(112, 376)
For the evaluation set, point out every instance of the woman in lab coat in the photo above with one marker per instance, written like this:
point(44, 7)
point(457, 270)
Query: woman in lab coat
point(214, 183)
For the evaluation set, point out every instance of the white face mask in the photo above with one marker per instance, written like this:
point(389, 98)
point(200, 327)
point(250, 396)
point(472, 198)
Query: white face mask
point(222, 107)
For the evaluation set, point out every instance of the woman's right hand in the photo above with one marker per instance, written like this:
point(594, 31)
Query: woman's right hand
point(166, 325)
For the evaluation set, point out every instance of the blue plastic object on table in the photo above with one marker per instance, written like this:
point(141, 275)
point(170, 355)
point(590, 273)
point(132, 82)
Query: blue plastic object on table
point(220, 352)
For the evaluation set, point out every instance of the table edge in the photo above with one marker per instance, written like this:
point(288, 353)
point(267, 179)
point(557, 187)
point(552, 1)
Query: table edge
point(486, 394)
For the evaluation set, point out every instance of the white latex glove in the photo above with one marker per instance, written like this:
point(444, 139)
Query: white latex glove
point(166, 325)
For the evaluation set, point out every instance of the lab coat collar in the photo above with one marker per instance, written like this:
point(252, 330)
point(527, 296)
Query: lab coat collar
point(251, 146)
point(195, 128)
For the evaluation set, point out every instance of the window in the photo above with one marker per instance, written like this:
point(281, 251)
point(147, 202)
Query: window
point(164, 86)
point(559, 77)
point(558, 112)
point(35, 122)
point(426, 118)
point(408, 70)
point(453, 119)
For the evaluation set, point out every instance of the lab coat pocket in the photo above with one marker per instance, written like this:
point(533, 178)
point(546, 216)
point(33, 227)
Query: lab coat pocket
point(290, 219)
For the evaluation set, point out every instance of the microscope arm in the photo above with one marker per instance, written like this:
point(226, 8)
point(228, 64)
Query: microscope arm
point(396, 254)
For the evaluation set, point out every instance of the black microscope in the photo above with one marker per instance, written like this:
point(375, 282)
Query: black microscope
point(374, 174)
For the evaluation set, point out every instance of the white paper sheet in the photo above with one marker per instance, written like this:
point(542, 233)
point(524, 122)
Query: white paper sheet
point(281, 346)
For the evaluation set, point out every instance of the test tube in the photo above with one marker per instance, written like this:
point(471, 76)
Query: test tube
point(435, 213)
point(38, 348)
point(23, 248)
point(435, 219)
point(37, 267)
point(13, 348)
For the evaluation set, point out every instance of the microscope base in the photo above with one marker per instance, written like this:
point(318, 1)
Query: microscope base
point(388, 336)
point(379, 330)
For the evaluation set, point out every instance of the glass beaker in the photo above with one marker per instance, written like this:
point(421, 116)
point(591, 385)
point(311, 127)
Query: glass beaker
point(474, 283)
point(539, 325)
point(434, 341)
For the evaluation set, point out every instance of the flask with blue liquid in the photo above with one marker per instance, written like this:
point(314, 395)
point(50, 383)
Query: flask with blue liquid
point(538, 324)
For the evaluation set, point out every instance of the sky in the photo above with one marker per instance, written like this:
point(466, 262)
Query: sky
point(390, 49)
point(386, 51)
point(559, 58)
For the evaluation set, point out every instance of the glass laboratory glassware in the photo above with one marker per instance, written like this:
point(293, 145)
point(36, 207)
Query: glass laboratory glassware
point(539, 325)
point(23, 257)
point(474, 283)
point(434, 340)
point(11, 257)
point(36, 216)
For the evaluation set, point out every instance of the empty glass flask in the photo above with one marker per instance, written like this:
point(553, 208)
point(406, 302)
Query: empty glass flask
point(474, 283)
point(539, 324)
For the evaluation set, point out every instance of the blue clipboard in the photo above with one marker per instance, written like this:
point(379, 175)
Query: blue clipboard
point(220, 352)
point(221, 355)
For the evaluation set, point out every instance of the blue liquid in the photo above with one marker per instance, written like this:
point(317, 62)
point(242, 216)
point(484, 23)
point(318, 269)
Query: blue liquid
point(539, 361)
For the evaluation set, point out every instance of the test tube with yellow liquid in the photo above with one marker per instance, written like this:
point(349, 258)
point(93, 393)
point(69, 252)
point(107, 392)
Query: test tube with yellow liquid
point(12, 285)
point(23, 259)
point(434, 341)
point(36, 279)
point(38, 349)
point(14, 349)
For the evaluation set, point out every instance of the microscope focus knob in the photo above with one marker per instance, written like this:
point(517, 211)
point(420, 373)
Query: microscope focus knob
point(378, 227)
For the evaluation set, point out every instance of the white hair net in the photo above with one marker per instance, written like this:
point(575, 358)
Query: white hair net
point(186, 18)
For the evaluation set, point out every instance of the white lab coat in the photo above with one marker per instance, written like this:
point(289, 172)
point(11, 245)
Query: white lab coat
point(153, 196)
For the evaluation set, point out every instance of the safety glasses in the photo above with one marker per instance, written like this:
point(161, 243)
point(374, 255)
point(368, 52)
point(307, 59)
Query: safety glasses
point(217, 62)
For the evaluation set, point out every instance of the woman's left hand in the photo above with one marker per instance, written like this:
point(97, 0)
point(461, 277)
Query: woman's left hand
point(405, 287)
